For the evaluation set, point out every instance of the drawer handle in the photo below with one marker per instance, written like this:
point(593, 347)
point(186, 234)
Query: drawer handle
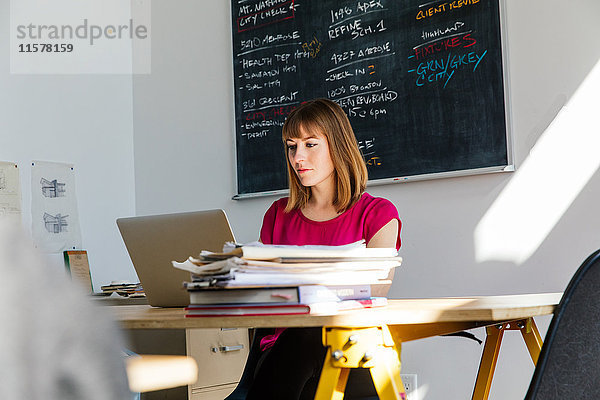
point(225, 349)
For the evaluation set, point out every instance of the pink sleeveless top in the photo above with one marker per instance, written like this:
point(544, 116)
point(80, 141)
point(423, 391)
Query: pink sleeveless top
point(361, 221)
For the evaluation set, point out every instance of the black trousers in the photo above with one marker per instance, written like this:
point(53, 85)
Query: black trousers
point(291, 368)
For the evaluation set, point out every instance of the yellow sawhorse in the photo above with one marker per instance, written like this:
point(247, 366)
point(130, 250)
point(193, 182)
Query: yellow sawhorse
point(371, 348)
point(489, 358)
point(378, 348)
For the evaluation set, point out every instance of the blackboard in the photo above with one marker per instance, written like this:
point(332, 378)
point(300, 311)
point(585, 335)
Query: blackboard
point(421, 81)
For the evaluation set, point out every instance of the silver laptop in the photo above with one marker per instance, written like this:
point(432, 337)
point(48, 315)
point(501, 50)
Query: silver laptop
point(154, 241)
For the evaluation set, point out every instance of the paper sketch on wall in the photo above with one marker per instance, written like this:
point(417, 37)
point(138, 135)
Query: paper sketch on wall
point(54, 215)
point(10, 191)
point(55, 223)
point(52, 188)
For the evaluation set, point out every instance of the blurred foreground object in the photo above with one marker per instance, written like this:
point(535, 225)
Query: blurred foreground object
point(54, 343)
point(155, 372)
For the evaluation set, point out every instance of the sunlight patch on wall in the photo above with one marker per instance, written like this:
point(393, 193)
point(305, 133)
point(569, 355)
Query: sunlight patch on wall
point(559, 166)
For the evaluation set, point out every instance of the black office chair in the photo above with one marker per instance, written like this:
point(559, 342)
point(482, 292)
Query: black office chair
point(569, 363)
point(360, 384)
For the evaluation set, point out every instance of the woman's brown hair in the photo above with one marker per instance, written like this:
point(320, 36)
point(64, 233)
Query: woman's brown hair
point(327, 118)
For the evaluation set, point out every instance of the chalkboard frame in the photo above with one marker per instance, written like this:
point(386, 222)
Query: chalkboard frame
point(508, 167)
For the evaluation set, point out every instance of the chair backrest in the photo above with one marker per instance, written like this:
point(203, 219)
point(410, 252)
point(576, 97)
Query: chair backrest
point(569, 364)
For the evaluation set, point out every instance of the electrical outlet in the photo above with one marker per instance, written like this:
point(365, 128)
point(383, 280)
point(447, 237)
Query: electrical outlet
point(410, 386)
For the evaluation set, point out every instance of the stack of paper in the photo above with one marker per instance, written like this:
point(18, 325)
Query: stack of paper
point(270, 279)
point(125, 289)
point(259, 264)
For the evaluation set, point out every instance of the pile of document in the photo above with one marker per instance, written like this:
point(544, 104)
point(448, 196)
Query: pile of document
point(255, 279)
point(125, 289)
point(260, 264)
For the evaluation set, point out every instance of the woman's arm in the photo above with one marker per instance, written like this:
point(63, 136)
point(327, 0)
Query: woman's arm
point(386, 236)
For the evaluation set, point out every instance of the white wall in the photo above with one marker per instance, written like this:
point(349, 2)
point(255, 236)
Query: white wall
point(184, 160)
point(81, 119)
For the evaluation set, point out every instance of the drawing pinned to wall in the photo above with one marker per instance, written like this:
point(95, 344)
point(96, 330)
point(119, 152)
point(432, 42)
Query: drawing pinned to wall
point(52, 188)
point(55, 223)
point(55, 219)
point(10, 191)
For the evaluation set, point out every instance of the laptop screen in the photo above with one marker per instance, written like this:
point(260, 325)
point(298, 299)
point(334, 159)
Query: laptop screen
point(154, 241)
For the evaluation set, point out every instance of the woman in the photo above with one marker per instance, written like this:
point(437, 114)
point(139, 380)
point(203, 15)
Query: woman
point(327, 206)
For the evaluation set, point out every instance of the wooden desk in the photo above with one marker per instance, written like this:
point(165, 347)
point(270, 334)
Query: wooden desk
point(401, 321)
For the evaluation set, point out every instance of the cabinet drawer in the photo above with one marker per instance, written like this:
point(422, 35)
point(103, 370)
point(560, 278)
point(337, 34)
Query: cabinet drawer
point(220, 354)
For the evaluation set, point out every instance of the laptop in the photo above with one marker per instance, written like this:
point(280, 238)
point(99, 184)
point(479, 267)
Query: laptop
point(154, 241)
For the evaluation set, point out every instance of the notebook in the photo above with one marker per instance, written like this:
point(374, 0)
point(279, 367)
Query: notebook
point(154, 241)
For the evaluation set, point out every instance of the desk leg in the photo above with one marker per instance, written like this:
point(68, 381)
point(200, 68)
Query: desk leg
point(360, 348)
point(488, 362)
point(386, 375)
point(532, 338)
point(332, 382)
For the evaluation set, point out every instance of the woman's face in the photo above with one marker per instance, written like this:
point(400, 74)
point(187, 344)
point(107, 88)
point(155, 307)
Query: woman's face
point(309, 157)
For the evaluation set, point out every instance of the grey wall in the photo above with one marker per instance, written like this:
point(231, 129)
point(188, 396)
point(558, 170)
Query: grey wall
point(81, 119)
